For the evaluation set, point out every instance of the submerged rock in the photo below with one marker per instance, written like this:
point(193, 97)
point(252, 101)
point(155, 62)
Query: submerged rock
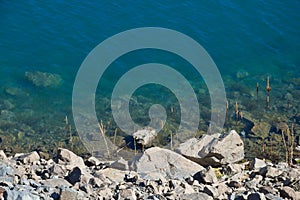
point(43, 79)
point(14, 91)
point(242, 74)
point(214, 150)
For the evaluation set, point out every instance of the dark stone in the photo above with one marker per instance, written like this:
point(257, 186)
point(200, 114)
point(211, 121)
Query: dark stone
point(130, 178)
point(74, 175)
point(234, 184)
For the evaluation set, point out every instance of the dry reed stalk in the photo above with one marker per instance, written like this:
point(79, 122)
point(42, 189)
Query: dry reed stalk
point(171, 140)
point(236, 111)
point(115, 136)
point(134, 143)
point(268, 101)
point(71, 137)
point(285, 146)
point(162, 124)
point(291, 151)
point(67, 124)
point(257, 89)
point(102, 131)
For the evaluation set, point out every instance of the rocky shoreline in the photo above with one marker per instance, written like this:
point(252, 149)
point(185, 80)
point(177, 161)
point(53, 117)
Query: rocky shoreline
point(156, 174)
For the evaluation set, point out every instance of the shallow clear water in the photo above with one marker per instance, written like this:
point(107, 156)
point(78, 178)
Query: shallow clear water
point(259, 37)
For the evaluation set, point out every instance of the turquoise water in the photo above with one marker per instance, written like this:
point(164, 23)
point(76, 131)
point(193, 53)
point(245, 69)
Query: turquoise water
point(259, 37)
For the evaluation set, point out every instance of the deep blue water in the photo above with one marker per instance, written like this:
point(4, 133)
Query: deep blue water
point(260, 37)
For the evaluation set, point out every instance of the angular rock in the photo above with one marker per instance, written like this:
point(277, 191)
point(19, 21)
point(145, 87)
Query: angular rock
point(128, 194)
point(2, 155)
point(55, 182)
point(261, 128)
point(257, 164)
point(6, 170)
point(196, 196)
point(270, 172)
point(267, 190)
point(207, 176)
point(287, 192)
point(58, 170)
point(113, 175)
point(214, 150)
point(31, 157)
point(92, 161)
point(68, 194)
point(70, 159)
point(120, 164)
point(74, 176)
point(233, 168)
point(272, 197)
point(144, 136)
point(223, 188)
point(21, 195)
point(158, 163)
point(211, 191)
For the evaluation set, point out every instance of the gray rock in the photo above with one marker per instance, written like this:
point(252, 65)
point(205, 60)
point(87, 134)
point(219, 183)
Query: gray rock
point(93, 161)
point(6, 170)
point(293, 173)
point(55, 182)
point(2, 155)
point(29, 158)
point(120, 164)
point(211, 191)
point(70, 159)
point(272, 197)
point(223, 188)
point(207, 176)
point(128, 194)
point(267, 190)
point(21, 195)
point(196, 196)
point(113, 175)
point(58, 170)
point(287, 192)
point(68, 194)
point(145, 136)
point(157, 163)
point(214, 150)
point(251, 184)
point(43, 79)
point(270, 172)
point(233, 168)
point(257, 164)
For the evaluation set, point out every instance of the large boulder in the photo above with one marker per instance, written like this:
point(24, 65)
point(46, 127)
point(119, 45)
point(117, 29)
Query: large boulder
point(157, 163)
point(214, 150)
